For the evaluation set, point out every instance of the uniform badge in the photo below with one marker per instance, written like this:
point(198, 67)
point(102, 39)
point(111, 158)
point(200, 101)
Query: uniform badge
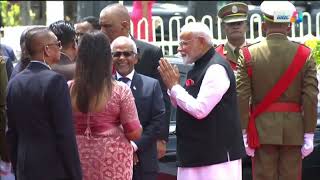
point(234, 9)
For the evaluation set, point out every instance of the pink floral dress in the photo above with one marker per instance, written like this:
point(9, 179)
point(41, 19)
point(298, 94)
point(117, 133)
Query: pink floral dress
point(105, 152)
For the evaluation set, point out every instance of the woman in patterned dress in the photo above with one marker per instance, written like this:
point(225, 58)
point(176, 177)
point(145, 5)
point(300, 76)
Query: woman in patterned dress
point(104, 113)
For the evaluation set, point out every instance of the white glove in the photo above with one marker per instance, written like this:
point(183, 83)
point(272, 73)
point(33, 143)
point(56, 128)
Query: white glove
point(249, 151)
point(307, 147)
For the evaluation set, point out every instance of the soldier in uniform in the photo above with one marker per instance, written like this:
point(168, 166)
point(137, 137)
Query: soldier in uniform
point(234, 22)
point(282, 90)
point(3, 86)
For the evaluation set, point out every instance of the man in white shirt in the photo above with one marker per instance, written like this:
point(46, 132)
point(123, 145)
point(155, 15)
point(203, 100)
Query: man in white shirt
point(209, 138)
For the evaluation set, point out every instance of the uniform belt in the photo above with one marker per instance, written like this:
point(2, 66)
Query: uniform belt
point(283, 107)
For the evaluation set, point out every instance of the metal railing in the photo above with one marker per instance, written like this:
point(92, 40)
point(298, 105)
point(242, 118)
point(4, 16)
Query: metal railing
point(166, 35)
point(170, 43)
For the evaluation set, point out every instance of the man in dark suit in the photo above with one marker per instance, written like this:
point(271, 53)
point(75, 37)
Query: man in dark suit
point(40, 132)
point(150, 106)
point(115, 22)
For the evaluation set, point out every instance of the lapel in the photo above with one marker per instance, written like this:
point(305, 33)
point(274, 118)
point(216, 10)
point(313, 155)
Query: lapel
point(136, 84)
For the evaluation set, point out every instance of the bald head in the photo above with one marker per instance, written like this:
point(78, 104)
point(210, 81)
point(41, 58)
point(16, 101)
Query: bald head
point(25, 57)
point(117, 10)
point(36, 39)
point(42, 44)
point(115, 21)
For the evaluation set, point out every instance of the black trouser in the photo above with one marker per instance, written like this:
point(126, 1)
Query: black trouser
point(138, 174)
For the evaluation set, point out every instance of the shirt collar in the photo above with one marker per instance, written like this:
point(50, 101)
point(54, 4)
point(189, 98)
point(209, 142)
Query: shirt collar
point(130, 75)
point(41, 62)
point(233, 47)
point(276, 36)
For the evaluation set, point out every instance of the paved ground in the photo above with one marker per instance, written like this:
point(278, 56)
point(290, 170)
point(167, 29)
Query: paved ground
point(8, 177)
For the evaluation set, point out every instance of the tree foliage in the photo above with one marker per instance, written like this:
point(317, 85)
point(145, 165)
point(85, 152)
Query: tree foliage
point(314, 44)
point(10, 13)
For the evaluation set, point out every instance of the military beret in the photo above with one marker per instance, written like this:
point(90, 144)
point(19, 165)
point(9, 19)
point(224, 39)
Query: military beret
point(233, 12)
point(277, 11)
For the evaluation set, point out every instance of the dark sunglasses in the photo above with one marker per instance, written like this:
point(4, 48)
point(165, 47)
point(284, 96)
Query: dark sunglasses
point(58, 44)
point(118, 54)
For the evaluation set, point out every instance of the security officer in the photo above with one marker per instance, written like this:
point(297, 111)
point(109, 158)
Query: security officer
point(282, 90)
point(234, 22)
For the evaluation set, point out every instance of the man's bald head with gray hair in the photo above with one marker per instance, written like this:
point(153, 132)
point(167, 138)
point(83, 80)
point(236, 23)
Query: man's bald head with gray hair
point(124, 40)
point(198, 29)
point(124, 55)
point(195, 40)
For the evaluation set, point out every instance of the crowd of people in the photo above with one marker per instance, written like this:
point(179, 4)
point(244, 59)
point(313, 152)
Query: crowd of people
point(89, 101)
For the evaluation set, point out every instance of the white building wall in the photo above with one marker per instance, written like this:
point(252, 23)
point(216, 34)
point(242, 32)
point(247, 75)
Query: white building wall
point(55, 11)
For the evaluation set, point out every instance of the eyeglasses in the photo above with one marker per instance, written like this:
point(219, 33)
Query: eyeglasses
point(118, 54)
point(79, 35)
point(58, 44)
point(185, 43)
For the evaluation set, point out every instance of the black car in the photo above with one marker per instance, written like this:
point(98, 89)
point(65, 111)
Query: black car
point(168, 169)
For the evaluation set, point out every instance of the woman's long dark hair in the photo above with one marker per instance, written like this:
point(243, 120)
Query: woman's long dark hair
point(93, 74)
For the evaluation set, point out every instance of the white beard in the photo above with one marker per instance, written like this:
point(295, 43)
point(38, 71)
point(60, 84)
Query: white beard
point(187, 60)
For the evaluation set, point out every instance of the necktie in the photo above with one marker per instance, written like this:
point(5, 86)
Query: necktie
point(236, 52)
point(124, 79)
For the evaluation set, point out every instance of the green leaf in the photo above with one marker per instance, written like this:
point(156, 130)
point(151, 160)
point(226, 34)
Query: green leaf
point(10, 12)
point(314, 45)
